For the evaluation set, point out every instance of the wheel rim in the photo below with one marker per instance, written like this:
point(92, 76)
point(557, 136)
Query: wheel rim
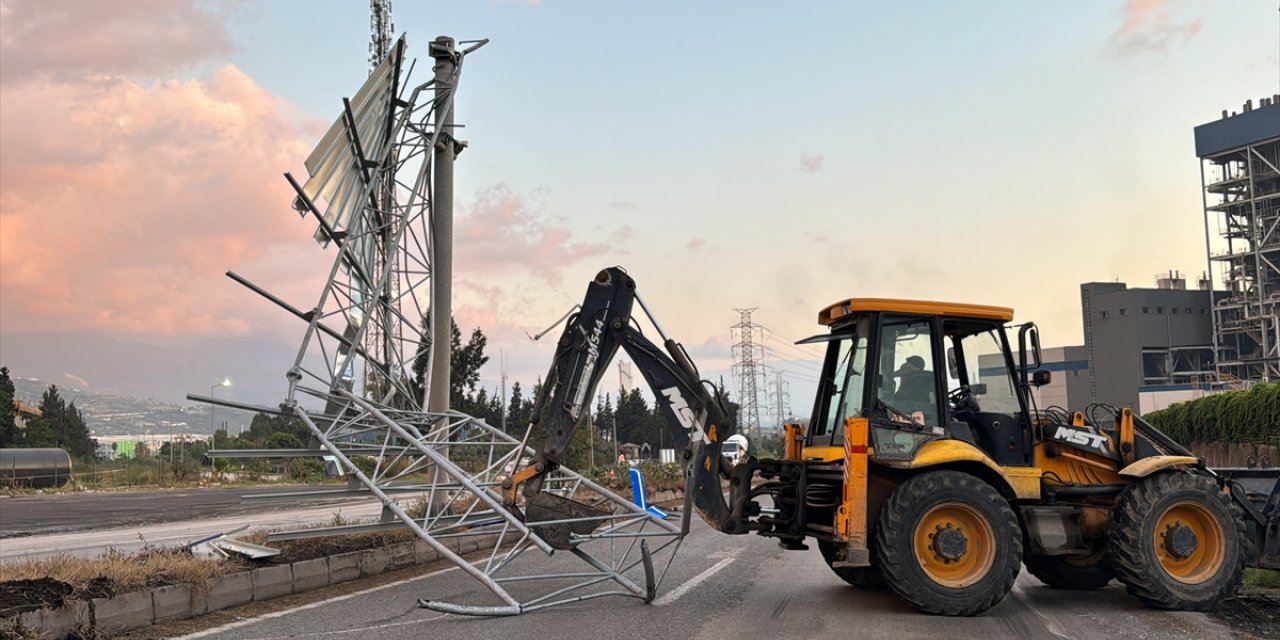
point(954, 545)
point(1189, 542)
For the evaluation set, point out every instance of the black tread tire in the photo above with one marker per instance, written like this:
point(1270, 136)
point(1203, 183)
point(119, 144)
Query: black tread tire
point(1069, 572)
point(1133, 522)
point(894, 548)
point(862, 577)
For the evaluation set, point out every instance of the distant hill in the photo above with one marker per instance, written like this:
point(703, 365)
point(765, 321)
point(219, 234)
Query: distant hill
point(107, 414)
point(166, 374)
point(129, 386)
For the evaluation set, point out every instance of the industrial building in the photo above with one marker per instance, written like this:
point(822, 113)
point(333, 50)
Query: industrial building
point(1140, 342)
point(1068, 386)
point(1069, 383)
point(1240, 180)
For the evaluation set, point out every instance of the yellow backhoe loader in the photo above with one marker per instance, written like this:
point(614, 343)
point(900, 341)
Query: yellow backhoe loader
point(926, 467)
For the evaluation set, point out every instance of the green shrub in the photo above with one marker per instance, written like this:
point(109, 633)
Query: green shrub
point(305, 470)
point(366, 464)
point(1249, 415)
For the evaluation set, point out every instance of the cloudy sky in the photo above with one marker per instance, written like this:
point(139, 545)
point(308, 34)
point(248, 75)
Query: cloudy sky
point(727, 154)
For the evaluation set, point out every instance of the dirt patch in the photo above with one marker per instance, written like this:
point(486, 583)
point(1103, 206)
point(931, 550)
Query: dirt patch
point(20, 596)
point(1254, 613)
point(311, 548)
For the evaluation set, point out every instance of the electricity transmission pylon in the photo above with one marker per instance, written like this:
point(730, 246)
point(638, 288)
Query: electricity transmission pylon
point(749, 371)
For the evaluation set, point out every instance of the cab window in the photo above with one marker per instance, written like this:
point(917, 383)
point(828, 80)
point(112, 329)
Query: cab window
point(984, 363)
point(844, 381)
point(906, 380)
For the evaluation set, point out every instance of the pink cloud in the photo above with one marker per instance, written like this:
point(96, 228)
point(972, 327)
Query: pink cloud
point(502, 232)
point(696, 243)
point(122, 204)
point(74, 39)
point(811, 163)
point(1150, 26)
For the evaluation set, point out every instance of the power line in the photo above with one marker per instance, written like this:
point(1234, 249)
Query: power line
point(813, 367)
point(799, 375)
point(786, 338)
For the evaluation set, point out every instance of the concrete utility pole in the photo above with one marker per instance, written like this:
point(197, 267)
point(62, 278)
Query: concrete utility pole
point(502, 363)
point(446, 57)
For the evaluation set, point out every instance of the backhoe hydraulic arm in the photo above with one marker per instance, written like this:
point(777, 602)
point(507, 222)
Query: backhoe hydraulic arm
point(694, 414)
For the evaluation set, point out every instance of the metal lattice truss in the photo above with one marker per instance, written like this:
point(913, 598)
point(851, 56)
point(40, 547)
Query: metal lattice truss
point(441, 475)
point(370, 192)
point(360, 379)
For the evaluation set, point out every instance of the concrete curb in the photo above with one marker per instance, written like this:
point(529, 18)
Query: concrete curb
point(138, 609)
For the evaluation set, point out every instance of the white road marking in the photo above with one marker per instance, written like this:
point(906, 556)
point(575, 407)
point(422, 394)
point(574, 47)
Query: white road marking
point(673, 595)
point(277, 614)
point(1019, 594)
point(389, 625)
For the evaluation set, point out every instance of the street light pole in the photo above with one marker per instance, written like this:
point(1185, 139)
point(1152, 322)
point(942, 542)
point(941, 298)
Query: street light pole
point(225, 382)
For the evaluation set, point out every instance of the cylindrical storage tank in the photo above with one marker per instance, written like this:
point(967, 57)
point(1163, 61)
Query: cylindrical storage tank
point(37, 468)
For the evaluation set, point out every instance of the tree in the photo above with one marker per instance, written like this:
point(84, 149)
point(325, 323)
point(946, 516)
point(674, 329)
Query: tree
point(38, 434)
point(77, 442)
point(8, 412)
point(282, 440)
point(730, 407)
point(517, 415)
point(635, 420)
point(465, 363)
point(59, 425)
point(604, 416)
point(265, 425)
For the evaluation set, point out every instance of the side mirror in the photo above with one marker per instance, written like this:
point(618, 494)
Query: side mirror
point(1028, 335)
point(1041, 377)
point(953, 367)
point(978, 389)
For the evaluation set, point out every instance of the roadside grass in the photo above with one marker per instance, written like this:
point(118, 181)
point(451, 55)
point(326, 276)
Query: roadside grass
point(120, 571)
point(1262, 578)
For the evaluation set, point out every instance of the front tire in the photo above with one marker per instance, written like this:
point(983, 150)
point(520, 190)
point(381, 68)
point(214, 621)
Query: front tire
point(948, 543)
point(1177, 542)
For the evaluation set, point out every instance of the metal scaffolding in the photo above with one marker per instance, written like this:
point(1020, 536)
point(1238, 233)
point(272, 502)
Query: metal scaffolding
point(1240, 179)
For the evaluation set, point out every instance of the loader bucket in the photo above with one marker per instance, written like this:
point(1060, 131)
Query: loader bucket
point(1257, 492)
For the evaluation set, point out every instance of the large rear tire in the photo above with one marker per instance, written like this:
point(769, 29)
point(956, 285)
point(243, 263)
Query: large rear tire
point(948, 543)
point(1071, 572)
point(1177, 542)
point(862, 577)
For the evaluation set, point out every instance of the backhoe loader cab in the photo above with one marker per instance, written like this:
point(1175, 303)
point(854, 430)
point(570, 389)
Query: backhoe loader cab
point(939, 370)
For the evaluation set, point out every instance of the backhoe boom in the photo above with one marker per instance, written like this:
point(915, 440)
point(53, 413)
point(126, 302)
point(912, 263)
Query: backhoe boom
point(694, 413)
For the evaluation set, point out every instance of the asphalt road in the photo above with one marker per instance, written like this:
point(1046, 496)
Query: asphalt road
point(722, 587)
point(59, 513)
point(87, 524)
